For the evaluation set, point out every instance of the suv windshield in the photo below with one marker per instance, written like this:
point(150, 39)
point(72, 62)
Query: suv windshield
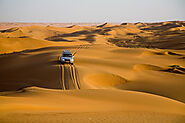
point(67, 55)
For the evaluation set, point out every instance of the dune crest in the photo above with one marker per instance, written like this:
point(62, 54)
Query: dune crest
point(105, 25)
point(74, 26)
point(147, 67)
point(39, 95)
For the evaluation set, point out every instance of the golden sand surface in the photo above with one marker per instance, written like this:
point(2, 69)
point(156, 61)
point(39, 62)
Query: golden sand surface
point(133, 72)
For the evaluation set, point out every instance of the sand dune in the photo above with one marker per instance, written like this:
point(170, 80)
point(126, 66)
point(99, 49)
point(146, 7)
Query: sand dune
point(133, 72)
point(105, 80)
point(35, 101)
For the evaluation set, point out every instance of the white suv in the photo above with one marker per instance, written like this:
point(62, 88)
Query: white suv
point(67, 57)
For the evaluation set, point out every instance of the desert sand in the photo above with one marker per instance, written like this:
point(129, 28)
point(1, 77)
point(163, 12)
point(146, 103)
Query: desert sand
point(131, 72)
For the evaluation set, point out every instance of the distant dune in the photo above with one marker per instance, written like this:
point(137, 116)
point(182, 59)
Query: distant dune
point(129, 72)
point(7, 25)
point(163, 35)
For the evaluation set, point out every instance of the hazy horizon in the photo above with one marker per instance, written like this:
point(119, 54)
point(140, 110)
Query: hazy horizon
point(87, 11)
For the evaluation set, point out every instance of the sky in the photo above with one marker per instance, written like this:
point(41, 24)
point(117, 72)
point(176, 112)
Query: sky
point(75, 11)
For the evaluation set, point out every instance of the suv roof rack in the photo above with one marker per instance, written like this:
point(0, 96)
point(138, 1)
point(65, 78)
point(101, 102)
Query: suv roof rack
point(67, 51)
